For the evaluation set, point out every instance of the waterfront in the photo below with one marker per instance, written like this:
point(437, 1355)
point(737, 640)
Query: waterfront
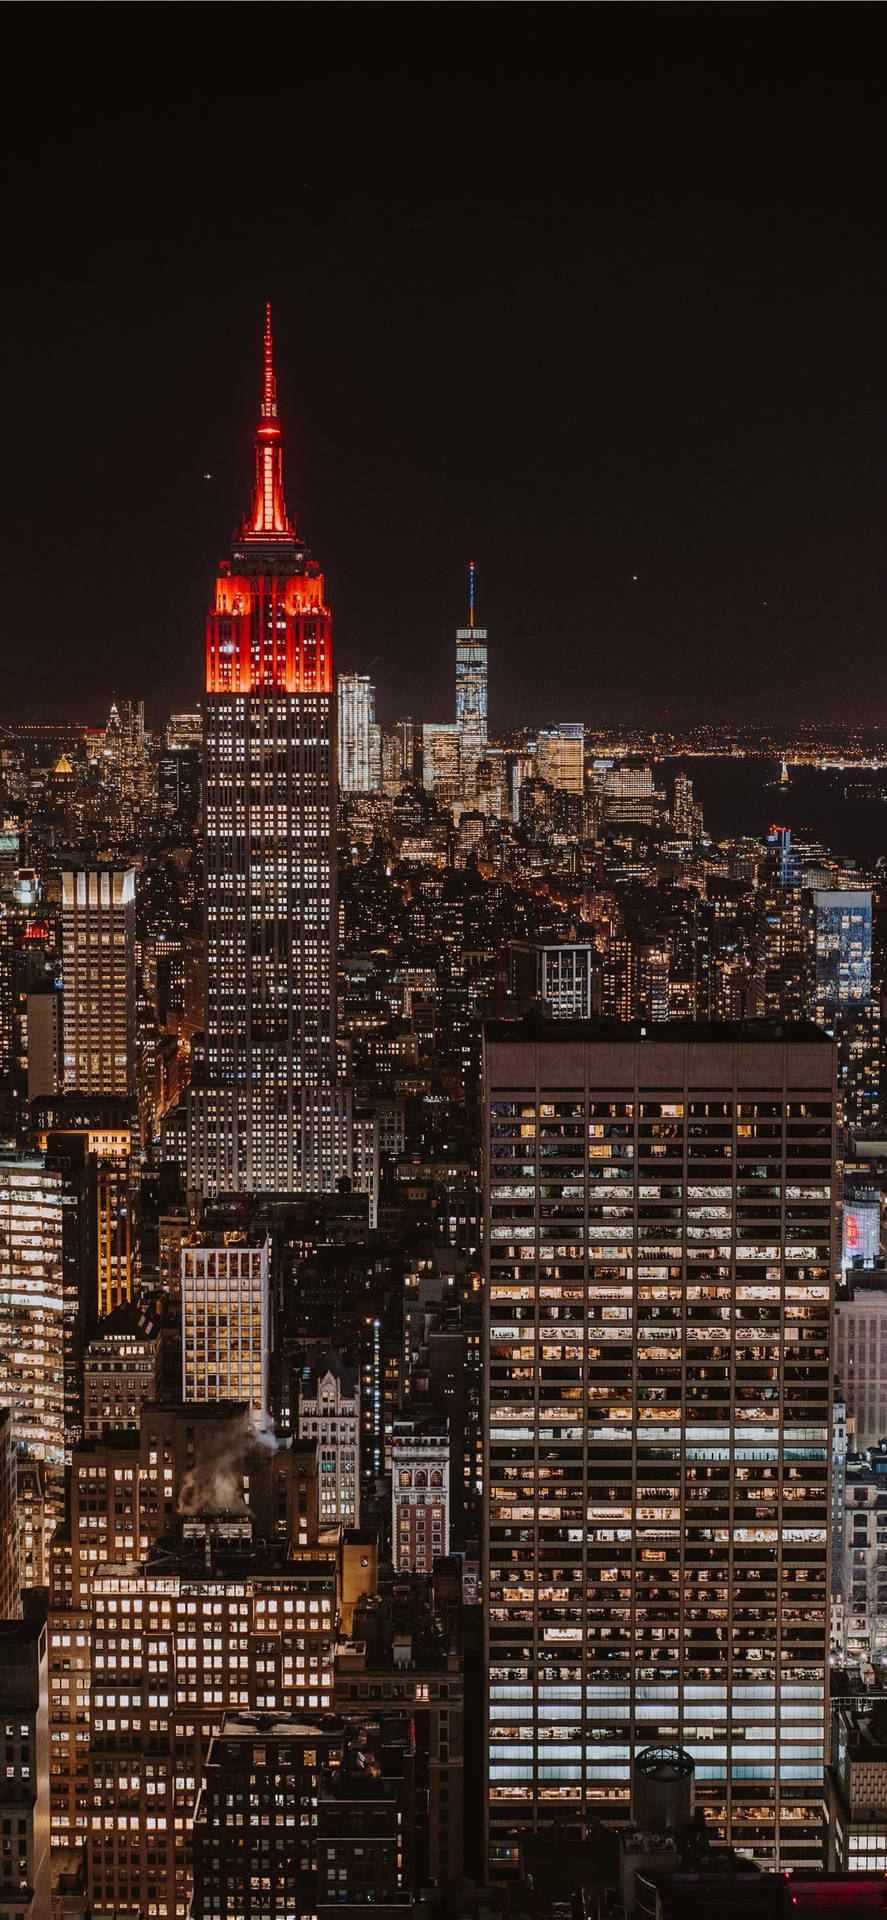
point(845, 809)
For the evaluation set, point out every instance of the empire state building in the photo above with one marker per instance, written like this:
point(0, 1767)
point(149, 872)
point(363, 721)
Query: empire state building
point(269, 1114)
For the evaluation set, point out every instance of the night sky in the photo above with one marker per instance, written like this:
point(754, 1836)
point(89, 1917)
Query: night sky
point(587, 293)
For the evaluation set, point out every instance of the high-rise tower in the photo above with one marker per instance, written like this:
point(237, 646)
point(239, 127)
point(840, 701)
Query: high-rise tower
point(658, 1227)
point(269, 1114)
point(471, 695)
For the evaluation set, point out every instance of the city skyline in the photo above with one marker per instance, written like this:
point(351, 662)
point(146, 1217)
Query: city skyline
point(647, 399)
point(443, 1081)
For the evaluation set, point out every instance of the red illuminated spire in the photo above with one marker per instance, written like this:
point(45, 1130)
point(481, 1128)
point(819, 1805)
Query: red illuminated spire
point(268, 519)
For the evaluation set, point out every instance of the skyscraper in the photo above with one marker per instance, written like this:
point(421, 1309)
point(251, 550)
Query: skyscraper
point(441, 760)
point(659, 1233)
point(47, 1267)
point(560, 756)
point(269, 1114)
point(360, 739)
point(226, 1318)
point(471, 695)
point(98, 973)
point(843, 999)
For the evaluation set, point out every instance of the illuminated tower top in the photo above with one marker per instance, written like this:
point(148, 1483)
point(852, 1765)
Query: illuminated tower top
point(268, 518)
point(269, 629)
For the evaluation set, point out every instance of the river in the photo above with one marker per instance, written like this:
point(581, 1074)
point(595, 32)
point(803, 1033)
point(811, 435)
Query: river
point(846, 811)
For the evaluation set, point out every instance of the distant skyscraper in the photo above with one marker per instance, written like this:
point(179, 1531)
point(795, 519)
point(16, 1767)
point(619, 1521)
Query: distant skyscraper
point(787, 861)
point(98, 979)
point(658, 1423)
point(843, 999)
point(441, 760)
point(471, 695)
point(359, 736)
point(560, 756)
point(269, 1113)
point(843, 936)
point(47, 1268)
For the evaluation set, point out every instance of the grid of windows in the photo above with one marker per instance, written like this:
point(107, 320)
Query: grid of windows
point(659, 1227)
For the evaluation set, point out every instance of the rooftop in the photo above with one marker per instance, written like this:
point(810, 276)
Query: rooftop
point(535, 1027)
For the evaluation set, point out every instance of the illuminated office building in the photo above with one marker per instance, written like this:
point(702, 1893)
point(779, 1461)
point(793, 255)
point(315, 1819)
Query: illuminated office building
point(843, 999)
point(420, 1491)
point(47, 1253)
point(98, 977)
point(121, 1370)
point(440, 761)
point(471, 696)
point(10, 1583)
point(269, 1113)
point(105, 1127)
point(560, 757)
point(226, 1318)
point(229, 1510)
point(360, 739)
point(659, 1256)
point(565, 975)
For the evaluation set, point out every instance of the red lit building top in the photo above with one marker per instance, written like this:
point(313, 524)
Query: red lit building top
point(270, 629)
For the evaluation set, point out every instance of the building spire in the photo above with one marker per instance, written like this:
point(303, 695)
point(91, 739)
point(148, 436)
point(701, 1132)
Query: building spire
point(268, 518)
point(471, 593)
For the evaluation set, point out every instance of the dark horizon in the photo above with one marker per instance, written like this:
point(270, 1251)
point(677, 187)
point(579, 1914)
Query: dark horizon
point(615, 333)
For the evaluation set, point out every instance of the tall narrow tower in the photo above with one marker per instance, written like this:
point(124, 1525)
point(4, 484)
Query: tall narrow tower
point(269, 1115)
point(471, 695)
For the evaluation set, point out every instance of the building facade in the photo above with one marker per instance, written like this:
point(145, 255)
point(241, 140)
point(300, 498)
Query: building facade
point(98, 973)
point(47, 1251)
point(659, 1216)
point(25, 1873)
point(121, 1370)
point(226, 1318)
point(360, 739)
point(564, 975)
point(270, 1113)
point(420, 1491)
point(560, 756)
point(329, 1414)
point(471, 696)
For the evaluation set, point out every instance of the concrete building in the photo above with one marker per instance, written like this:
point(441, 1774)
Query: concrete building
point(440, 761)
point(560, 757)
point(420, 1491)
point(47, 1266)
point(859, 1575)
point(565, 975)
point(315, 1812)
point(856, 1787)
point(359, 737)
point(104, 1126)
point(659, 1255)
point(45, 1044)
point(98, 975)
point(198, 1499)
point(329, 1414)
point(861, 1355)
point(121, 1370)
point(10, 1582)
point(25, 1879)
point(226, 1317)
